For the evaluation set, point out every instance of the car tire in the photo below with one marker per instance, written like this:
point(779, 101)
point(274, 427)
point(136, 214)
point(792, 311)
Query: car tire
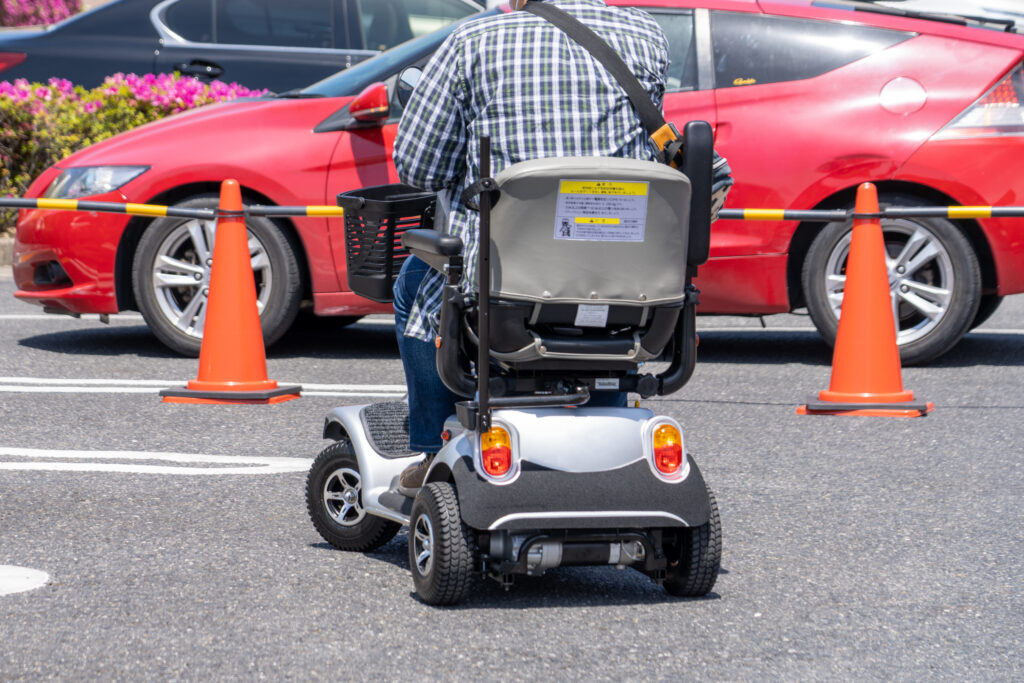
point(171, 271)
point(334, 500)
point(989, 305)
point(939, 293)
point(441, 547)
point(696, 557)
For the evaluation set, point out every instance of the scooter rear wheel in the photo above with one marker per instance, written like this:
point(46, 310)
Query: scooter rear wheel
point(334, 499)
point(441, 547)
point(697, 557)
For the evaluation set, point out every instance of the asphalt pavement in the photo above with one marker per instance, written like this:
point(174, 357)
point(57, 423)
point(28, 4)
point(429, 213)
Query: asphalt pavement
point(174, 543)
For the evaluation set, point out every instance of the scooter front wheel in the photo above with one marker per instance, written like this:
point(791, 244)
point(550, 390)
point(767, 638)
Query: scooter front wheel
point(441, 547)
point(334, 499)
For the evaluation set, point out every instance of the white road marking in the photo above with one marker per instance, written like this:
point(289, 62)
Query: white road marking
point(37, 385)
point(230, 464)
point(20, 579)
point(94, 317)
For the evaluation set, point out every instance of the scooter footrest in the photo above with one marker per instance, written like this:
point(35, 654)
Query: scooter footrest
point(386, 426)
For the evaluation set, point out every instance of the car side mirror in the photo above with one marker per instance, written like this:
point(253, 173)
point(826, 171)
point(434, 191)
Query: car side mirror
point(371, 104)
point(407, 82)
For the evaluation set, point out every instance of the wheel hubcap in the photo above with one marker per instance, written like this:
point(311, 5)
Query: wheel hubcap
point(921, 277)
point(342, 497)
point(423, 544)
point(181, 274)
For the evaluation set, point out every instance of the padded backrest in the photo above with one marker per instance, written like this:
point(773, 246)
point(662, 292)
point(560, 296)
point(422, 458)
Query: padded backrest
point(590, 230)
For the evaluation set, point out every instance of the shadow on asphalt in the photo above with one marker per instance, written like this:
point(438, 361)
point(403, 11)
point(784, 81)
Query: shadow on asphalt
point(562, 587)
point(807, 348)
point(325, 338)
point(315, 339)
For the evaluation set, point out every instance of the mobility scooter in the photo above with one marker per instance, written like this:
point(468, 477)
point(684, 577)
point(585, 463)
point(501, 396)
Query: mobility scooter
point(587, 265)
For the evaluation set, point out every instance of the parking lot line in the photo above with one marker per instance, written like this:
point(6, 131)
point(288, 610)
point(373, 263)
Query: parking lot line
point(38, 459)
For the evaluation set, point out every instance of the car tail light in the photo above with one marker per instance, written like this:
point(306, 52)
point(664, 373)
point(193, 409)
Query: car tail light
point(668, 449)
point(496, 452)
point(9, 59)
point(997, 112)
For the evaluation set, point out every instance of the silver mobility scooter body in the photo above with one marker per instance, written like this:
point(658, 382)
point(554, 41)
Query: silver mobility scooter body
point(588, 263)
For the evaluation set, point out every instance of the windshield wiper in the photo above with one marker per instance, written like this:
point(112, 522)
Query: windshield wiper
point(296, 94)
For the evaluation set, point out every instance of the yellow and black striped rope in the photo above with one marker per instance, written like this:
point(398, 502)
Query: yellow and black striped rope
point(156, 210)
point(320, 211)
point(827, 216)
point(107, 207)
point(313, 211)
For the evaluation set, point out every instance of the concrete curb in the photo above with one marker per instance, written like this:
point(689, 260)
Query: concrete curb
point(6, 251)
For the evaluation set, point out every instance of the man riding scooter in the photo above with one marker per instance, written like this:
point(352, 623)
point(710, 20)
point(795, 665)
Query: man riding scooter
point(536, 93)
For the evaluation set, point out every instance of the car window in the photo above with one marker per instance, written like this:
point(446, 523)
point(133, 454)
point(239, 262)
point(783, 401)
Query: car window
point(191, 19)
point(753, 49)
point(387, 23)
point(682, 69)
point(385, 65)
point(297, 23)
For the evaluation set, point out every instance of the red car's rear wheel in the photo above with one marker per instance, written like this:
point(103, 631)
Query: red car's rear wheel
point(933, 274)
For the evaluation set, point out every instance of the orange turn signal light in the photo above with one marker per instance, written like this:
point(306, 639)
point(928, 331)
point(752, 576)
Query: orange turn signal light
point(668, 449)
point(496, 451)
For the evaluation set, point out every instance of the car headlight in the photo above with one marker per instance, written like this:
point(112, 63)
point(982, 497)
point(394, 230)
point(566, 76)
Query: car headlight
point(84, 181)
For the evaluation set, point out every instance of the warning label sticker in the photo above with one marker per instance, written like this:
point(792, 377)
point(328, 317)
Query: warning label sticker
point(601, 210)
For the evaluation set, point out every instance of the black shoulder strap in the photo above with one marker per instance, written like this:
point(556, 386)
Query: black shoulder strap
point(654, 122)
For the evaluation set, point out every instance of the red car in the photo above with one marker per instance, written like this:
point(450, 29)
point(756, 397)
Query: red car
point(808, 100)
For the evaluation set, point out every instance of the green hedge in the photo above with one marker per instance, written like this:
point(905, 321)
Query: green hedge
point(40, 124)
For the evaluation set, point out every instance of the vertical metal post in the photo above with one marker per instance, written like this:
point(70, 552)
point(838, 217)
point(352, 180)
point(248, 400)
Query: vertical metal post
point(483, 274)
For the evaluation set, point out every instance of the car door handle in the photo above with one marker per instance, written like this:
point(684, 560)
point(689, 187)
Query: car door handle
point(200, 69)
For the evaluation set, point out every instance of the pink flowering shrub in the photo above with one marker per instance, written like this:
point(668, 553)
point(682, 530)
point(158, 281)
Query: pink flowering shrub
point(41, 124)
point(36, 12)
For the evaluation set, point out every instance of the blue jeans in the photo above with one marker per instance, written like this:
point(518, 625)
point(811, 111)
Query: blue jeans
point(430, 401)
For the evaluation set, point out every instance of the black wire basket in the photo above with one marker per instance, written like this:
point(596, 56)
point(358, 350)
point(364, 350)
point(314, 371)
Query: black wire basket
point(375, 218)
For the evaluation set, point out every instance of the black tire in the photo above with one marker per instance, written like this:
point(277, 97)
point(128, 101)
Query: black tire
point(953, 270)
point(696, 558)
point(343, 523)
point(441, 547)
point(989, 305)
point(175, 314)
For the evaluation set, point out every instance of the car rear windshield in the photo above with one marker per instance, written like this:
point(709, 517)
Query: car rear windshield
point(354, 79)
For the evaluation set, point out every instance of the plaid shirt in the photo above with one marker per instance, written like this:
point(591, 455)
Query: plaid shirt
point(537, 94)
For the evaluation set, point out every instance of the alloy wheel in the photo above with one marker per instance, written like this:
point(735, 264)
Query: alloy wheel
point(343, 497)
point(921, 279)
point(423, 545)
point(181, 274)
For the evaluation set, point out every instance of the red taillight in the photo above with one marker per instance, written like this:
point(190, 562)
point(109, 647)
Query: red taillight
point(1003, 95)
point(496, 452)
point(9, 59)
point(668, 449)
point(997, 112)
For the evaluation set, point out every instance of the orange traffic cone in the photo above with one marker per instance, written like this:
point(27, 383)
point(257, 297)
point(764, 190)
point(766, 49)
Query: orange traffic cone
point(866, 361)
point(232, 361)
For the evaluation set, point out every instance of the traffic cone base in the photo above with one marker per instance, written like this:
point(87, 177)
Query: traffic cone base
point(912, 409)
point(278, 395)
point(866, 369)
point(232, 360)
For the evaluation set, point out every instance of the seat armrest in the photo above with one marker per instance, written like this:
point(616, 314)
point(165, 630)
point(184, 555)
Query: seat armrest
point(431, 242)
point(433, 247)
